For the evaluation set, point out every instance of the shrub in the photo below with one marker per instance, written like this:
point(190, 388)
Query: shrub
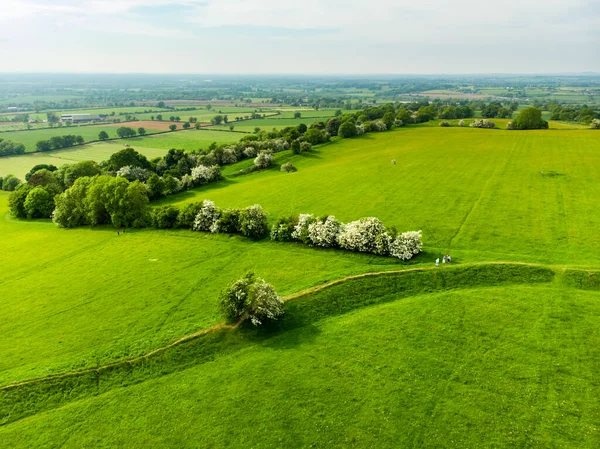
point(188, 214)
point(251, 298)
point(305, 146)
point(228, 222)
point(406, 245)
point(595, 124)
point(263, 160)
point(203, 175)
point(165, 217)
point(250, 152)
point(461, 123)
point(283, 229)
point(206, 217)
point(444, 124)
point(361, 235)
point(347, 129)
point(482, 124)
point(288, 167)
point(378, 126)
point(253, 222)
point(301, 228)
point(324, 232)
point(229, 156)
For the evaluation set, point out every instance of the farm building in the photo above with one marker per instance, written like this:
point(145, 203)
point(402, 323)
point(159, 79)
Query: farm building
point(79, 118)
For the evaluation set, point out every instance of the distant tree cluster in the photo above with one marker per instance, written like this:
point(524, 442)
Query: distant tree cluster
point(583, 115)
point(58, 142)
point(9, 148)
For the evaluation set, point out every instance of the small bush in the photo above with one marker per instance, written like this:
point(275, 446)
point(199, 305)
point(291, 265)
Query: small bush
point(263, 160)
point(595, 124)
point(461, 123)
point(482, 124)
point(228, 222)
point(445, 124)
point(188, 214)
point(288, 168)
point(283, 229)
point(253, 222)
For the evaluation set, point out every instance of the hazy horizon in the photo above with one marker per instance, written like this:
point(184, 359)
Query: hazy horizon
point(267, 37)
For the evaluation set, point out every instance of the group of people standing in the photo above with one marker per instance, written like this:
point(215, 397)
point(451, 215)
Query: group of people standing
point(445, 259)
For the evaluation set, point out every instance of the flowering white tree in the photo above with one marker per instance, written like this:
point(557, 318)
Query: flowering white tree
point(133, 173)
point(229, 156)
point(379, 125)
point(461, 123)
point(301, 229)
point(203, 175)
point(324, 233)
point(482, 124)
point(251, 298)
point(208, 215)
point(264, 302)
point(250, 152)
point(263, 160)
point(253, 221)
point(595, 124)
point(361, 235)
point(406, 245)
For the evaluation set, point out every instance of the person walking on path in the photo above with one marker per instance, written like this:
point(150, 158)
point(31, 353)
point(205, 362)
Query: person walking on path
point(444, 259)
point(449, 258)
point(437, 262)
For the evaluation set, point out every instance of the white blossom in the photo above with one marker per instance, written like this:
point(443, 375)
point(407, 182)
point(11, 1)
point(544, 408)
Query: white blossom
point(324, 233)
point(206, 218)
point(263, 160)
point(406, 245)
point(361, 235)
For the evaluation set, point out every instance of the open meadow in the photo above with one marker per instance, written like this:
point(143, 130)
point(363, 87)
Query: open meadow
point(498, 349)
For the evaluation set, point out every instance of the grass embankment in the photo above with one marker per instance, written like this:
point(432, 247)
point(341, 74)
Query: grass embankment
point(303, 309)
point(504, 366)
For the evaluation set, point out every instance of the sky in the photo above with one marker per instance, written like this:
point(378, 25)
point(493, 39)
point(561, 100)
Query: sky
point(308, 36)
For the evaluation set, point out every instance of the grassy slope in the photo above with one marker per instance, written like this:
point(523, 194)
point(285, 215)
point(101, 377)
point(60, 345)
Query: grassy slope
point(173, 295)
point(477, 193)
point(495, 367)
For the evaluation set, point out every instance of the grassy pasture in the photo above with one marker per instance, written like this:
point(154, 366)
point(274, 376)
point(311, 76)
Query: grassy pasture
point(510, 366)
point(369, 363)
point(473, 190)
point(150, 146)
point(89, 132)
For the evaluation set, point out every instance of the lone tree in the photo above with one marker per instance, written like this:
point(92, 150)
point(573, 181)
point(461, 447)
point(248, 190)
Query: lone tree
point(141, 131)
point(172, 127)
point(251, 298)
point(530, 118)
point(186, 125)
point(102, 135)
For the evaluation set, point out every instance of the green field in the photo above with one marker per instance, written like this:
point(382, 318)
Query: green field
point(150, 146)
point(89, 132)
point(498, 350)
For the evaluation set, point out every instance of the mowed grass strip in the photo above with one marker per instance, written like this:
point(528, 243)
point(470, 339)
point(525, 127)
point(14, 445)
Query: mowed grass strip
point(496, 367)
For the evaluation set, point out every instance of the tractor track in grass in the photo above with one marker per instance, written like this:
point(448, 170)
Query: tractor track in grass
point(223, 325)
